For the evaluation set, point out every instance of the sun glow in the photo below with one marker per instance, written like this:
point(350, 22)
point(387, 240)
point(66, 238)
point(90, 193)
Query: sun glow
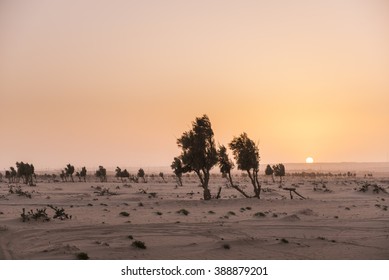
point(309, 160)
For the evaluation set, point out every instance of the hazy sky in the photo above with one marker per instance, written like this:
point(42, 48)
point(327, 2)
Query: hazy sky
point(116, 82)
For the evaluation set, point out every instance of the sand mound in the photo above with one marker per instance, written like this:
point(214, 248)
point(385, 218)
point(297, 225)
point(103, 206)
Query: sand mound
point(307, 212)
point(291, 218)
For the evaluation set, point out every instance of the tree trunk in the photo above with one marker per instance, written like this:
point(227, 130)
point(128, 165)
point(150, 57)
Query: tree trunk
point(236, 187)
point(207, 194)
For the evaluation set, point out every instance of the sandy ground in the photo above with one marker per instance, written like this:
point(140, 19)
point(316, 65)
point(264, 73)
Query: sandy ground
point(340, 223)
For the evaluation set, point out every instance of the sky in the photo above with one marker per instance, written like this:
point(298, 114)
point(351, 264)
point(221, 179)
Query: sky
point(117, 82)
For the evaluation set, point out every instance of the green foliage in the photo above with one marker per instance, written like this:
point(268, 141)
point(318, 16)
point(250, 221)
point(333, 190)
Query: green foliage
point(124, 214)
point(198, 151)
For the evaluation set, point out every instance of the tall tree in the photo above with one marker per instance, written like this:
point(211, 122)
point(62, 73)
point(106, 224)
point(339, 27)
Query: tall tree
point(198, 151)
point(226, 165)
point(246, 154)
point(177, 169)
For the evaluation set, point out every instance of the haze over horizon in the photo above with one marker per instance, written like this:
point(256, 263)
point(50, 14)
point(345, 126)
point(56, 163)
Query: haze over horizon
point(115, 83)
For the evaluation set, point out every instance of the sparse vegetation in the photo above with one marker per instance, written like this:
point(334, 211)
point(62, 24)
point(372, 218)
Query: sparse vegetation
point(139, 244)
point(124, 214)
point(101, 173)
point(183, 212)
point(177, 169)
point(82, 256)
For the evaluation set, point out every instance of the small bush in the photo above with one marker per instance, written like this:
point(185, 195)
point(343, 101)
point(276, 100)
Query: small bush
point(82, 256)
point(227, 246)
point(124, 214)
point(158, 213)
point(130, 237)
point(231, 213)
point(283, 240)
point(259, 214)
point(211, 212)
point(183, 212)
point(139, 244)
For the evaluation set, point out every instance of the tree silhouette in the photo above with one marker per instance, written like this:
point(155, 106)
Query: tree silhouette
point(279, 170)
point(198, 151)
point(226, 165)
point(69, 170)
point(141, 174)
point(101, 174)
point(26, 172)
point(162, 176)
point(246, 154)
point(83, 173)
point(269, 171)
point(11, 175)
point(177, 169)
point(121, 174)
point(63, 176)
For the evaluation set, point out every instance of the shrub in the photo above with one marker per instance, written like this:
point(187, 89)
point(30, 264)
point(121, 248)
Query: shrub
point(139, 244)
point(124, 214)
point(82, 256)
point(183, 212)
point(227, 246)
point(259, 214)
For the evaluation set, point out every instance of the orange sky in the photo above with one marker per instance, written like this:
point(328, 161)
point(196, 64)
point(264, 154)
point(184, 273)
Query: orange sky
point(116, 82)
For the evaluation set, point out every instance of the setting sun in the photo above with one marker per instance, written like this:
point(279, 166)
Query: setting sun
point(309, 160)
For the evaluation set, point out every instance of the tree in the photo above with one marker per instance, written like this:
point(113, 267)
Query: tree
point(101, 174)
point(198, 151)
point(141, 174)
point(162, 176)
point(63, 176)
point(11, 175)
point(246, 154)
point(269, 171)
point(25, 171)
point(69, 170)
point(279, 170)
point(83, 173)
point(226, 165)
point(177, 169)
point(122, 174)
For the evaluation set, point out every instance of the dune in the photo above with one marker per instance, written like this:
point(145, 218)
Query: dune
point(175, 223)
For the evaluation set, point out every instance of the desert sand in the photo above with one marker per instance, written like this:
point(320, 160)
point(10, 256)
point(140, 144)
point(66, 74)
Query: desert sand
point(335, 221)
